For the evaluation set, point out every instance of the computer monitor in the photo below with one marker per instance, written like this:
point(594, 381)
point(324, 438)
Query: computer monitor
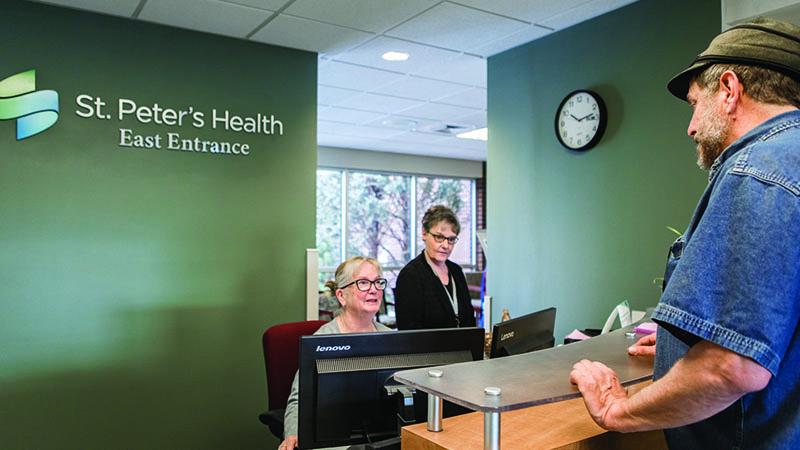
point(343, 377)
point(524, 334)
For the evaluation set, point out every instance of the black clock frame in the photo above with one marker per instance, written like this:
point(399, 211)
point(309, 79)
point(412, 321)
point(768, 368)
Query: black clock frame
point(601, 127)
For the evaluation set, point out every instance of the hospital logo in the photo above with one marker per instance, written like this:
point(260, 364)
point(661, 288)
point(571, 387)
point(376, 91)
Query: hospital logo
point(34, 110)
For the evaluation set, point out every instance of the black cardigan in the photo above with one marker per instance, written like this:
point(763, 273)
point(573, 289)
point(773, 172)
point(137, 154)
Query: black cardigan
point(421, 301)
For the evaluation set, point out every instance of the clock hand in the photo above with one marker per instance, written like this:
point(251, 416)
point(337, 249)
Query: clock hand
point(575, 118)
point(586, 116)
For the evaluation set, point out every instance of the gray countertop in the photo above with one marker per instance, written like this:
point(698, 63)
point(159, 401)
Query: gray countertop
point(532, 378)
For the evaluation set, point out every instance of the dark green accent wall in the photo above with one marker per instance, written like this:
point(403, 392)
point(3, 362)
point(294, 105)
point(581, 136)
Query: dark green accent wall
point(584, 231)
point(135, 284)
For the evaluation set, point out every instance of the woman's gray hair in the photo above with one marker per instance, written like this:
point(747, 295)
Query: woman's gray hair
point(345, 271)
point(440, 213)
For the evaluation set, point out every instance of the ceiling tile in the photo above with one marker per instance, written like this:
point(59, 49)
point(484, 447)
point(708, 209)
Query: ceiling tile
point(269, 5)
point(527, 34)
point(528, 10)
point(368, 15)
point(379, 103)
point(355, 130)
point(464, 69)
point(346, 115)
point(437, 111)
point(342, 141)
point(475, 120)
point(329, 95)
point(455, 27)
point(471, 98)
point(420, 55)
point(205, 15)
point(584, 12)
point(310, 35)
point(419, 138)
point(349, 76)
point(403, 123)
point(124, 8)
point(421, 88)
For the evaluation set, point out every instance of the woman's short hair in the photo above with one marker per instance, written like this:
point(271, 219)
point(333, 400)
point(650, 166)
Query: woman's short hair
point(440, 213)
point(345, 271)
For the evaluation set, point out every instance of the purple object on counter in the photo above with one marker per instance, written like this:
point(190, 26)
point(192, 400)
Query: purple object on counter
point(646, 328)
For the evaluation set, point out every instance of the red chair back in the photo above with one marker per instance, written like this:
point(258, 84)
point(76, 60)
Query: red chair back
point(281, 345)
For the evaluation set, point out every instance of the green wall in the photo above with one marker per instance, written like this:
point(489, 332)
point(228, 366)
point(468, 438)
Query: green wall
point(584, 231)
point(135, 284)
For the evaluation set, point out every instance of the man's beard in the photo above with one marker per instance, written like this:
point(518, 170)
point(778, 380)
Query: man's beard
point(711, 140)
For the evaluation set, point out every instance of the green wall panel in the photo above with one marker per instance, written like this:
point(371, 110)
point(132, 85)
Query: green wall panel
point(583, 231)
point(135, 283)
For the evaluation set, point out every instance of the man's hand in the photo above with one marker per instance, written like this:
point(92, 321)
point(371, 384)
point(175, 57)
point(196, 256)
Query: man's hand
point(645, 346)
point(601, 389)
point(290, 443)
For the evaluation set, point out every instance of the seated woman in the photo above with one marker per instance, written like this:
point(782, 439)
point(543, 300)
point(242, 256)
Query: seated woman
point(359, 290)
point(432, 291)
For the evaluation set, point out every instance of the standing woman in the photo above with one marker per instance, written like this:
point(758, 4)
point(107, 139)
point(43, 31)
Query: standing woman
point(432, 291)
point(359, 290)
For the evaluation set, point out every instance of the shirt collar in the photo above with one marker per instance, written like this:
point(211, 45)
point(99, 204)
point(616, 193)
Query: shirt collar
point(762, 131)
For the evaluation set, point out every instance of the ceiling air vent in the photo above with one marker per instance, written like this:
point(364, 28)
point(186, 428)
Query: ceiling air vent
point(449, 129)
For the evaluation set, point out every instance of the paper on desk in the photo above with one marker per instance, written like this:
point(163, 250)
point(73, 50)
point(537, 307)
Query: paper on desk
point(646, 328)
point(577, 335)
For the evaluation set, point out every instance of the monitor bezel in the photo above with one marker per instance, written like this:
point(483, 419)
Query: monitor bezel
point(498, 330)
point(365, 345)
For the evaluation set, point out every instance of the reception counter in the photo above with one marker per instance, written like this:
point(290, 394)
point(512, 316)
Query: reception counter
point(564, 425)
point(540, 407)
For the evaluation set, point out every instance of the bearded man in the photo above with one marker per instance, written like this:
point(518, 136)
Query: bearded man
point(727, 355)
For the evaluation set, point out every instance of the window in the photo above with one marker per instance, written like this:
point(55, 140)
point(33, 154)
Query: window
point(380, 214)
point(456, 194)
point(329, 230)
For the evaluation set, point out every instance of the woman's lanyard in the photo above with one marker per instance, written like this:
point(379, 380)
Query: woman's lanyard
point(453, 298)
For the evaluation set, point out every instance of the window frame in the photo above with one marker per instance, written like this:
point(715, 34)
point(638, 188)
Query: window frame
point(345, 174)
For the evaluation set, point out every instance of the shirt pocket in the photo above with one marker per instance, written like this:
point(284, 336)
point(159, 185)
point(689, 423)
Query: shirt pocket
point(673, 257)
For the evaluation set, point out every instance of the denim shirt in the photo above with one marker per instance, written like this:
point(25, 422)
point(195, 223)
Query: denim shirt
point(733, 279)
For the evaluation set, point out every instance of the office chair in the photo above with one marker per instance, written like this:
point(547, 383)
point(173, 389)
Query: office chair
point(281, 344)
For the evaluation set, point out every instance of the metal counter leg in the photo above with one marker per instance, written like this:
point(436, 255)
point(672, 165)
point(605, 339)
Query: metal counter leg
point(491, 431)
point(434, 413)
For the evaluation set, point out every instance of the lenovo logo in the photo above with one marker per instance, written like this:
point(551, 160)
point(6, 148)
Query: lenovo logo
point(508, 335)
point(334, 348)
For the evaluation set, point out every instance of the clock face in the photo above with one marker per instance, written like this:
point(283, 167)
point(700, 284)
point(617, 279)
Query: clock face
point(580, 120)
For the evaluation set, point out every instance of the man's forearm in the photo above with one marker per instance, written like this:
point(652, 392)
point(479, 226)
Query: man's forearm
point(706, 381)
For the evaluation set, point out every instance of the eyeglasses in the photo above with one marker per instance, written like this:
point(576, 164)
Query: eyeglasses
point(363, 284)
point(439, 238)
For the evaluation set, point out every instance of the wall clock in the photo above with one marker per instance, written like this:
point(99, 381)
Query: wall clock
point(580, 120)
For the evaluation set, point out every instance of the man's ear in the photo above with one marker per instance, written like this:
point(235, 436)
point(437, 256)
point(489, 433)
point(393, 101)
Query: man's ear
point(731, 89)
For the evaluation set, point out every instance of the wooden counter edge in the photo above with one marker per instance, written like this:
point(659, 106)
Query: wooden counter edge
point(562, 425)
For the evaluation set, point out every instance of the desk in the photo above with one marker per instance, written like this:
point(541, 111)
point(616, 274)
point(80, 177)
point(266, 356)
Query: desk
point(531, 379)
point(564, 425)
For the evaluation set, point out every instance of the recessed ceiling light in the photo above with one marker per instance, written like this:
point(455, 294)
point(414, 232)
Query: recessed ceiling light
point(395, 56)
point(405, 124)
point(481, 134)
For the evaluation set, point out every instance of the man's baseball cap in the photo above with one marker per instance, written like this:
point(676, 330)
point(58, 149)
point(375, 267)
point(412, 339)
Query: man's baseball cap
point(762, 42)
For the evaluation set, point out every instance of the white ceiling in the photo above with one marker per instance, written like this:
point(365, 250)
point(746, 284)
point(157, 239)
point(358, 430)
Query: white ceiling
point(363, 101)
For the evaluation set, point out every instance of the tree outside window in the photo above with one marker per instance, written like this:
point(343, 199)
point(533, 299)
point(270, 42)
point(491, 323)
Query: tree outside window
point(383, 216)
point(378, 214)
point(329, 217)
point(456, 194)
